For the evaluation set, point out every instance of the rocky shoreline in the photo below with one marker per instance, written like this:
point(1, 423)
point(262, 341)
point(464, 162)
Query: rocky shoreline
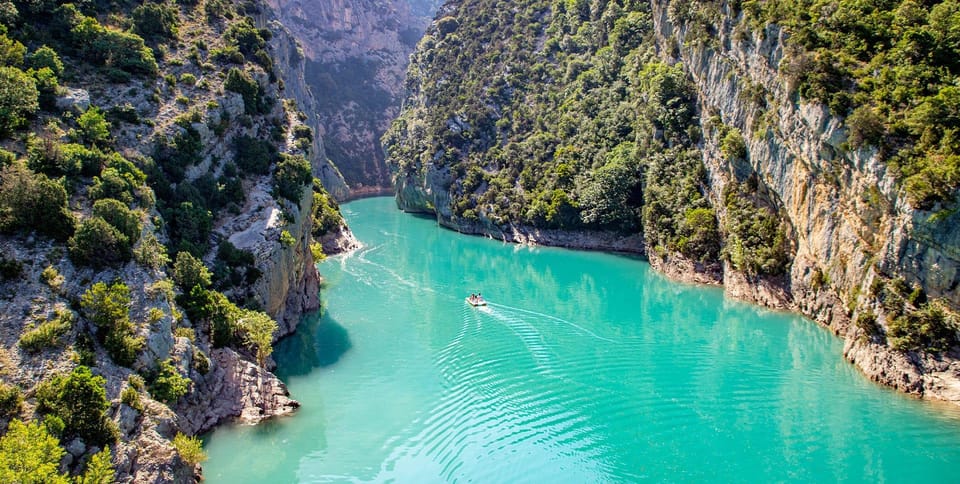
point(920, 375)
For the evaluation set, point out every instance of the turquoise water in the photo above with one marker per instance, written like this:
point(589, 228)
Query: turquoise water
point(586, 367)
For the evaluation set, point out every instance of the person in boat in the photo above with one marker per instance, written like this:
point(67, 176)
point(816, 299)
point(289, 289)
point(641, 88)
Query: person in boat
point(473, 298)
point(479, 298)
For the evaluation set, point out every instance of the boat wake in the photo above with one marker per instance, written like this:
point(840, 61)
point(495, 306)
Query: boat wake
point(548, 317)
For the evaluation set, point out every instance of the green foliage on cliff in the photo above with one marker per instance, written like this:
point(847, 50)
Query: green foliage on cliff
point(897, 63)
point(168, 385)
point(30, 201)
point(28, 453)
point(757, 241)
point(46, 334)
point(99, 469)
point(291, 176)
point(108, 308)
point(561, 116)
point(79, 400)
point(189, 448)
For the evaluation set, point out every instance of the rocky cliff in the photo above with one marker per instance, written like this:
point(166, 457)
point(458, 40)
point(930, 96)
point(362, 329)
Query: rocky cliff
point(678, 130)
point(356, 53)
point(194, 145)
point(850, 218)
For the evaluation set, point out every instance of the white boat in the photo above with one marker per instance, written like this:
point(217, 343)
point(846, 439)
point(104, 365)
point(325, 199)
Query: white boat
point(476, 301)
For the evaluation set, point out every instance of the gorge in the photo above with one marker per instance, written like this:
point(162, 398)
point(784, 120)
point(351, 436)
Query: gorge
point(170, 172)
point(585, 367)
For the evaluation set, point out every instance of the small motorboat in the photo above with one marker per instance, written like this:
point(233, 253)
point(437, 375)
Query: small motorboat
point(476, 300)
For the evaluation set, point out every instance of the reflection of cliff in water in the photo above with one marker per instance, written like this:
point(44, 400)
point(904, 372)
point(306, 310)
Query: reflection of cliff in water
point(319, 342)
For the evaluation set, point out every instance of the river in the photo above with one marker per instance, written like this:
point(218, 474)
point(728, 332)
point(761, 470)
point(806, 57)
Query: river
point(585, 367)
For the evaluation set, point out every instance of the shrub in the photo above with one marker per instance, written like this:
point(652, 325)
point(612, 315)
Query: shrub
point(10, 268)
point(156, 21)
point(131, 398)
point(151, 253)
point(28, 453)
point(257, 329)
point(865, 127)
point(46, 57)
point(757, 241)
point(189, 448)
point(11, 400)
point(19, 98)
point(99, 469)
point(92, 127)
point(122, 51)
point(47, 334)
point(286, 239)
point(80, 401)
point(732, 146)
point(189, 272)
point(867, 321)
point(169, 385)
point(33, 202)
point(108, 307)
point(201, 362)
point(302, 131)
point(291, 176)
point(98, 244)
point(326, 213)
point(120, 217)
point(189, 227)
point(120, 179)
point(254, 156)
point(240, 82)
point(930, 328)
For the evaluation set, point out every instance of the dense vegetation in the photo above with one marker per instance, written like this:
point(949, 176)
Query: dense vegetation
point(890, 67)
point(562, 116)
point(111, 119)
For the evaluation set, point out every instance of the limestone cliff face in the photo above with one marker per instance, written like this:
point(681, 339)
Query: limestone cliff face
point(848, 223)
point(356, 54)
point(850, 220)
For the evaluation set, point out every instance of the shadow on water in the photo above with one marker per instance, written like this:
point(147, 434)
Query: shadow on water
point(319, 342)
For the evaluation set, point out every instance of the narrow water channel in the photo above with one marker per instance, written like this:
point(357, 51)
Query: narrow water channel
point(585, 367)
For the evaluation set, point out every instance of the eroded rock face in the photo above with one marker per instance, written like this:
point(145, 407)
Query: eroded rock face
point(849, 219)
point(356, 54)
point(236, 390)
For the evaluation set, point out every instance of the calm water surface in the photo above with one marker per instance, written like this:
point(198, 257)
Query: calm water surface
point(585, 367)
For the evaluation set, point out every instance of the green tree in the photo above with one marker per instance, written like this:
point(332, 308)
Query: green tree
point(118, 215)
point(169, 385)
point(189, 448)
point(257, 328)
point(92, 127)
point(189, 272)
point(240, 82)
point(11, 400)
point(291, 176)
point(46, 57)
point(19, 98)
point(30, 455)
point(33, 202)
point(79, 399)
point(99, 470)
point(607, 198)
point(98, 244)
point(156, 21)
point(108, 307)
point(151, 253)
